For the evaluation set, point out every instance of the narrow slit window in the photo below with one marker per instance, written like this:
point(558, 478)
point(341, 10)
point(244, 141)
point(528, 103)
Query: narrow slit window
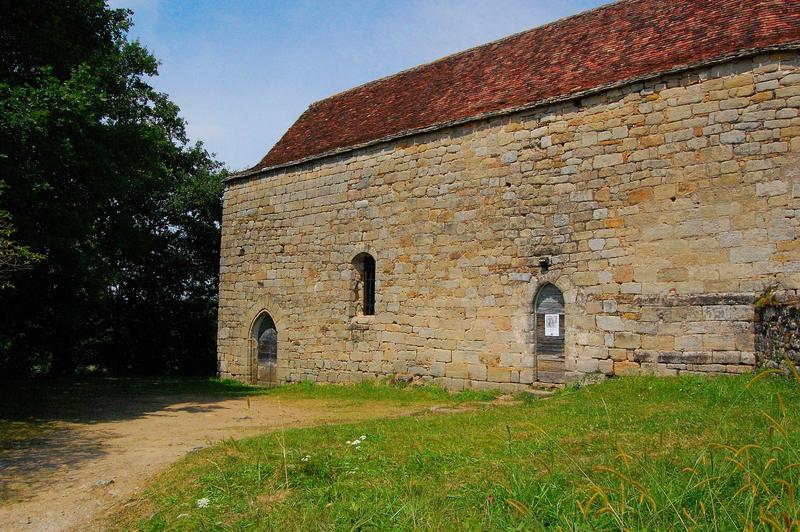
point(364, 263)
point(369, 285)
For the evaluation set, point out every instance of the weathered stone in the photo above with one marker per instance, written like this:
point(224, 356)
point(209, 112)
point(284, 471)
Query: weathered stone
point(610, 323)
point(604, 161)
point(661, 222)
point(509, 157)
point(627, 368)
point(778, 331)
point(750, 254)
point(496, 374)
point(596, 244)
point(732, 137)
point(627, 340)
point(771, 188)
point(457, 371)
point(477, 372)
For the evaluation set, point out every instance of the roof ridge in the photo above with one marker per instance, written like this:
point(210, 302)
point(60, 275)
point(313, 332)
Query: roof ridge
point(255, 170)
point(471, 49)
point(623, 40)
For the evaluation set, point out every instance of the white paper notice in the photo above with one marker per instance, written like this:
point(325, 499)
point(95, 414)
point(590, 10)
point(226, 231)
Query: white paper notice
point(551, 324)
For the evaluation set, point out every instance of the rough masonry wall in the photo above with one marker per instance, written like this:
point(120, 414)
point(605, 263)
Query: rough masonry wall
point(664, 207)
point(778, 329)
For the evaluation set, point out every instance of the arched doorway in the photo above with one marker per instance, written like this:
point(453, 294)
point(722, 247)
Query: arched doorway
point(549, 328)
point(264, 344)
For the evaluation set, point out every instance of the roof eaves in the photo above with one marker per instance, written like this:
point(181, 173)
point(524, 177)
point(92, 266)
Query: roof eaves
point(467, 51)
point(510, 110)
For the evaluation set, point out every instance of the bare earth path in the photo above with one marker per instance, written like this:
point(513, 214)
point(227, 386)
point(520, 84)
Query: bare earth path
point(78, 469)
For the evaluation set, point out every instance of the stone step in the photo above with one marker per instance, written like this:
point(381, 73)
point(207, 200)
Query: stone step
point(540, 392)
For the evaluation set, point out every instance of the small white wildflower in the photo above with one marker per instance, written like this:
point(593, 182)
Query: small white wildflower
point(305, 458)
point(362, 438)
point(202, 503)
point(357, 442)
point(348, 442)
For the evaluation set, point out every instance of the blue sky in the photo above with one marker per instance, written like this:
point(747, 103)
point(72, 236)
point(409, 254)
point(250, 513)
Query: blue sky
point(243, 70)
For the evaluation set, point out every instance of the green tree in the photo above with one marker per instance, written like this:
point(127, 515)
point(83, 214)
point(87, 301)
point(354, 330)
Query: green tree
point(13, 257)
point(104, 184)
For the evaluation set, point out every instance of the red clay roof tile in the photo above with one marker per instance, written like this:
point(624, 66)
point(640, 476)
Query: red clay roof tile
point(622, 41)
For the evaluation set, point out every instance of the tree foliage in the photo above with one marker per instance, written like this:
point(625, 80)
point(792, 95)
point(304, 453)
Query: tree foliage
point(14, 258)
point(103, 183)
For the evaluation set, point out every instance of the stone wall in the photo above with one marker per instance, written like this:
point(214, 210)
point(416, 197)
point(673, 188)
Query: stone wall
point(664, 207)
point(778, 329)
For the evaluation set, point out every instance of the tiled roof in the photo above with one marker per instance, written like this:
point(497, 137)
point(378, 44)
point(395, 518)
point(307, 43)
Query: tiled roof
point(607, 46)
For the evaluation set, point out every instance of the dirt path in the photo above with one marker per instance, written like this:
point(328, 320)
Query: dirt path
point(77, 470)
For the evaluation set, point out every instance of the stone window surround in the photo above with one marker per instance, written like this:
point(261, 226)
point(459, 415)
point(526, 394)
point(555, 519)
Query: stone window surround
point(357, 315)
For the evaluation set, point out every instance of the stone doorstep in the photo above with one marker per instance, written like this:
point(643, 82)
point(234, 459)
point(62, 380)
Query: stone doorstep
point(544, 386)
point(540, 393)
point(550, 377)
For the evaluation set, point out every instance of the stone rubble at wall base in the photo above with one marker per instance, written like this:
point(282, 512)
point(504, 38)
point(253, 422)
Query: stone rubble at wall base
point(778, 329)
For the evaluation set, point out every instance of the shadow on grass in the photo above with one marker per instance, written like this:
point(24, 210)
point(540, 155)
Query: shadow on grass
point(110, 399)
point(36, 438)
point(26, 464)
point(38, 418)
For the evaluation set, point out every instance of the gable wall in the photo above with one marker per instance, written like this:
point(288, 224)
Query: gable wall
point(665, 207)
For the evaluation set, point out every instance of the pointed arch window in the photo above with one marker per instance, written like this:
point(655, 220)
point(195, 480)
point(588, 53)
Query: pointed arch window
point(549, 316)
point(264, 349)
point(548, 320)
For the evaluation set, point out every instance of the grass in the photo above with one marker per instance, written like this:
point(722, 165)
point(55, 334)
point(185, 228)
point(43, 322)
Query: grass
point(15, 433)
point(378, 391)
point(631, 453)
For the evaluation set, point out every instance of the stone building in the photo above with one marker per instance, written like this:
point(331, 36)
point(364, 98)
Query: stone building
point(605, 194)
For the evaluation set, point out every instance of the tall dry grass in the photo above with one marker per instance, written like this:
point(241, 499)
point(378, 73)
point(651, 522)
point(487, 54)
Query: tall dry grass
point(747, 487)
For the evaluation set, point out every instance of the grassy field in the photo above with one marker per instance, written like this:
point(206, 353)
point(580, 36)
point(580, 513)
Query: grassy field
point(631, 453)
point(377, 391)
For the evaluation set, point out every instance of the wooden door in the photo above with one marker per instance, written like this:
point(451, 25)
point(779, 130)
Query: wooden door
point(268, 356)
point(549, 327)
